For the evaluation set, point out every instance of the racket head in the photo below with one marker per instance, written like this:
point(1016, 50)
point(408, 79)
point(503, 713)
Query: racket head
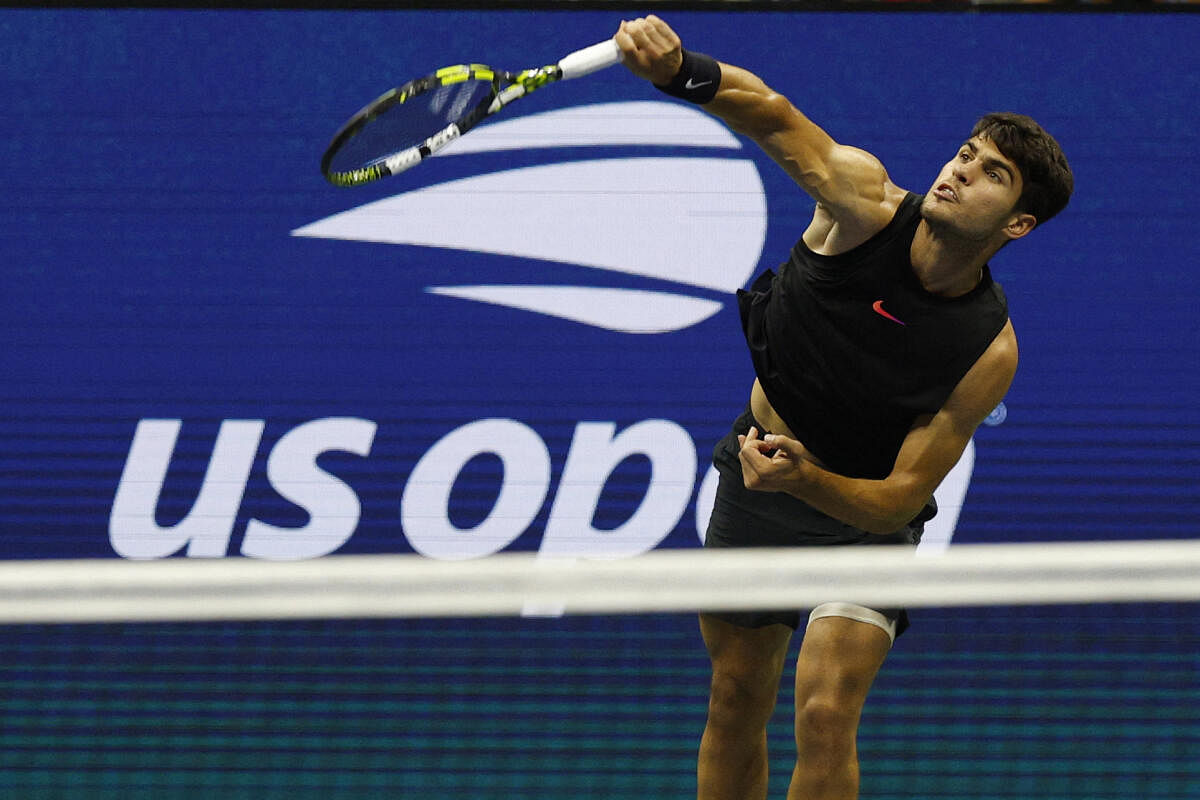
point(404, 125)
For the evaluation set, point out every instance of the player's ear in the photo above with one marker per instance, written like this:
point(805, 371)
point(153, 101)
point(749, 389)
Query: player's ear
point(1019, 225)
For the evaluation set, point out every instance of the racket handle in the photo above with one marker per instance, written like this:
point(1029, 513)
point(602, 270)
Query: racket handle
point(589, 59)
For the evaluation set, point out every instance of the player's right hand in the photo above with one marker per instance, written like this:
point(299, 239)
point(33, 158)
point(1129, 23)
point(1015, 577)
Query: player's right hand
point(650, 49)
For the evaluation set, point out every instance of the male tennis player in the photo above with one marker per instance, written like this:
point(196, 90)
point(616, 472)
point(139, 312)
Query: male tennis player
point(879, 347)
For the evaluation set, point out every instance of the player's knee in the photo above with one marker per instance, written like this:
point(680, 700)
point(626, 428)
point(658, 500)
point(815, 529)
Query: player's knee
point(826, 725)
point(738, 700)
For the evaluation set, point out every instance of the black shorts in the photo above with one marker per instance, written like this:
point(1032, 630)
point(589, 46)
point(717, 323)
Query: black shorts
point(745, 518)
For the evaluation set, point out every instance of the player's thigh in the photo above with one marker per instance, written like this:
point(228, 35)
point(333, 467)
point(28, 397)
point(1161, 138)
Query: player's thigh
point(839, 659)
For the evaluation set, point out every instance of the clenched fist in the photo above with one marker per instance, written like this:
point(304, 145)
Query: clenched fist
point(650, 49)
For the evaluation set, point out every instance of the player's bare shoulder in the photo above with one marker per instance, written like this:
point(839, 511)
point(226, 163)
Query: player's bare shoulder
point(988, 380)
point(856, 211)
point(1002, 354)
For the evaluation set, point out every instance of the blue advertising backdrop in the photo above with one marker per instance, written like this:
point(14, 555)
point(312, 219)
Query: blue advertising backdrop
point(158, 164)
point(531, 343)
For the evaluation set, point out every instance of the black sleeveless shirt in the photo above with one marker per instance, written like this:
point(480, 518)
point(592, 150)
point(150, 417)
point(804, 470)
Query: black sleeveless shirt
point(850, 349)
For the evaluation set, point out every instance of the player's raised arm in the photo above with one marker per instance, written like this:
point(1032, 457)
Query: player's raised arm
point(850, 183)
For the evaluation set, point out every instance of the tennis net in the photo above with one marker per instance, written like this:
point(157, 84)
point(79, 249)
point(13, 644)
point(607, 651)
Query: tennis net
point(1051, 671)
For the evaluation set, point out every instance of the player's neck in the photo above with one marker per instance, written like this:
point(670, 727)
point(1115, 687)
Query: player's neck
point(946, 265)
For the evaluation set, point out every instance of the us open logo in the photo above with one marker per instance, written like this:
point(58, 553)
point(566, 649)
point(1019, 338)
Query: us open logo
point(696, 221)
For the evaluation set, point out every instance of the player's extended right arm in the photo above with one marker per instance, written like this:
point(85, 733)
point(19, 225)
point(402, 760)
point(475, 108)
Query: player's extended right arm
point(846, 180)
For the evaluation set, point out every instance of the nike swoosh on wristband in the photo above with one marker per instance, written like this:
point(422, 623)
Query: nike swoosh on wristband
point(877, 306)
point(691, 85)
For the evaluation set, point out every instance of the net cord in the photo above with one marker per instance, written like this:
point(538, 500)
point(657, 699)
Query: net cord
point(107, 590)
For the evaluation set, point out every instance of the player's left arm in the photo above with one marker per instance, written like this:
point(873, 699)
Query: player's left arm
point(930, 450)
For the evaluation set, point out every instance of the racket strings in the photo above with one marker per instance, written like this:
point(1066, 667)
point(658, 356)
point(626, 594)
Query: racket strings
point(414, 115)
point(408, 124)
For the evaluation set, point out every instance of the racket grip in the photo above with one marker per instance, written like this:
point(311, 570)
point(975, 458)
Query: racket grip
point(589, 59)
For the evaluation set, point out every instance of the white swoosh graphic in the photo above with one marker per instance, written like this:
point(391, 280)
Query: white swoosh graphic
point(637, 123)
point(696, 221)
point(623, 310)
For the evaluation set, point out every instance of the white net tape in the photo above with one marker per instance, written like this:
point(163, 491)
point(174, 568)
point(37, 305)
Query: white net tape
point(659, 581)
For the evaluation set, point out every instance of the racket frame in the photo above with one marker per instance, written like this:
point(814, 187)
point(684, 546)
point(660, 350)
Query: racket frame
point(505, 88)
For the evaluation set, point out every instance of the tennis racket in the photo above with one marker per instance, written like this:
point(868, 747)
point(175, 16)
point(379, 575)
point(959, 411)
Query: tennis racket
point(403, 127)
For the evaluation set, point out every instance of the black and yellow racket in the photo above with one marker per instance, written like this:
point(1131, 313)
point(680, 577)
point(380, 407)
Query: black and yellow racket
point(408, 124)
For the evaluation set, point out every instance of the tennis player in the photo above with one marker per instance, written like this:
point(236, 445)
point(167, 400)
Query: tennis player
point(879, 347)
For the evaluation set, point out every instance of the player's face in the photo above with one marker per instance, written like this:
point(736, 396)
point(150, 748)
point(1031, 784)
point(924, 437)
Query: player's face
point(975, 193)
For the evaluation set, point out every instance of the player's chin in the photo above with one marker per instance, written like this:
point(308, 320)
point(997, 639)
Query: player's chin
point(936, 211)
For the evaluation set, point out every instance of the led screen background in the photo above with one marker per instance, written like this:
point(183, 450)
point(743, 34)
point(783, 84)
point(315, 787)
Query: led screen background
point(155, 168)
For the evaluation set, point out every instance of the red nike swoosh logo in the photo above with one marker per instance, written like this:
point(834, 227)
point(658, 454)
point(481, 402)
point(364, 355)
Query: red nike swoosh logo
point(878, 308)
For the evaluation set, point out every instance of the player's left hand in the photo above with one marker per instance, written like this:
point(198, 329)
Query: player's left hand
point(772, 463)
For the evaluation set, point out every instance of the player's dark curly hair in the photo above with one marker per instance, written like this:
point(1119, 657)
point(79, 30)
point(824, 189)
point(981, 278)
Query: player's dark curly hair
point(1045, 175)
